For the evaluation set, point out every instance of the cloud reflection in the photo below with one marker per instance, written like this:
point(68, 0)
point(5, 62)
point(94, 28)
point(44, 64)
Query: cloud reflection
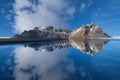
point(33, 64)
point(39, 65)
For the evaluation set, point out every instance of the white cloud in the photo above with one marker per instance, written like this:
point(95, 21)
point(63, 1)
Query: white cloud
point(102, 17)
point(45, 12)
point(11, 11)
point(46, 65)
point(90, 2)
point(85, 5)
point(71, 11)
point(8, 17)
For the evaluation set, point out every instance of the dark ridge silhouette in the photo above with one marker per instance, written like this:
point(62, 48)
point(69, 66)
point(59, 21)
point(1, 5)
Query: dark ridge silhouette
point(47, 34)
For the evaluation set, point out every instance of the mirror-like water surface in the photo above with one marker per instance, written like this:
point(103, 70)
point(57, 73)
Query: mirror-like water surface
point(61, 60)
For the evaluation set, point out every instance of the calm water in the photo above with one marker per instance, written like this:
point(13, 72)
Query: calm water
point(61, 60)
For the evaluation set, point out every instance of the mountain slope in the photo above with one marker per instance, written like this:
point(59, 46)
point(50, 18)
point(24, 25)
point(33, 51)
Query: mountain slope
point(88, 31)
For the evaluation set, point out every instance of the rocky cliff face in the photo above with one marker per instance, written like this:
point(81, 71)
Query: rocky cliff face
point(45, 34)
point(88, 31)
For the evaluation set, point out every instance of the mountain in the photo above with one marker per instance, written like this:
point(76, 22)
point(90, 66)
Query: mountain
point(88, 31)
point(48, 33)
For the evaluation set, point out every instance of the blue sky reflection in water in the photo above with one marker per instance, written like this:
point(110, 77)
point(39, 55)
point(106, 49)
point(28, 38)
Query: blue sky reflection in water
point(22, 62)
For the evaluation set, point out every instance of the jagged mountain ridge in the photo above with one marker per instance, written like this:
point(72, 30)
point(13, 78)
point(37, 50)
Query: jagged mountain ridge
point(47, 33)
point(88, 31)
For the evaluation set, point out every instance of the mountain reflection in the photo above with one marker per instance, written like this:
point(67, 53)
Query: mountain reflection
point(88, 46)
point(84, 45)
point(50, 45)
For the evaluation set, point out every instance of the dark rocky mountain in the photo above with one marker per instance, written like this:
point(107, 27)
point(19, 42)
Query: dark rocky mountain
point(45, 34)
point(85, 31)
point(88, 31)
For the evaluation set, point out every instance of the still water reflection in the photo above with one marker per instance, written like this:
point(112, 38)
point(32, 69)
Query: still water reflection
point(84, 45)
point(61, 60)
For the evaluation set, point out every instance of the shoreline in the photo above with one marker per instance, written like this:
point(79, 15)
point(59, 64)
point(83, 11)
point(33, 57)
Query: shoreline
point(11, 40)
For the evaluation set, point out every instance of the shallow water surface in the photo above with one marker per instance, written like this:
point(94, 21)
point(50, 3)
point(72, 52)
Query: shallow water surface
point(61, 60)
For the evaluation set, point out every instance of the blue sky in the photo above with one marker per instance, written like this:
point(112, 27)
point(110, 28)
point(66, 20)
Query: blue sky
point(18, 15)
